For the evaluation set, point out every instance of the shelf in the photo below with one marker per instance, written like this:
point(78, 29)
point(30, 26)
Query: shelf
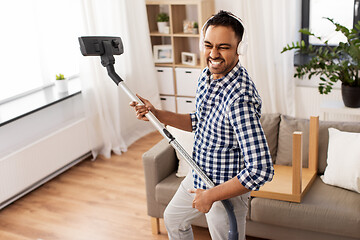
point(182, 34)
point(185, 44)
point(164, 64)
point(179, 12)
point(157, 34)
point(176, 65)
point(186, 66)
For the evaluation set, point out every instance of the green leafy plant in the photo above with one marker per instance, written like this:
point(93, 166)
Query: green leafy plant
point(162, 17)
point(60, 76)
point(332, 64)
point(196, 25)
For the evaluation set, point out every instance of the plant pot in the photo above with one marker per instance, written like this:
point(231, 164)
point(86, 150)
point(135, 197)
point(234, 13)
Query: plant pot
point(350, 96)
point(162, 26)
point(61, 85)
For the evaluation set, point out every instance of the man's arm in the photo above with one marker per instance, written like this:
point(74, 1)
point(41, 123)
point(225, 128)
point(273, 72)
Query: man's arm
point(180, 121)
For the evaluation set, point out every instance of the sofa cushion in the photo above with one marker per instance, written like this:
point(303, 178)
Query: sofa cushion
point(344, 173)
point(270, 124)
point(324, 208)
point(186, 140)
point(288, 125)
point(166, 189)
point(324, 138)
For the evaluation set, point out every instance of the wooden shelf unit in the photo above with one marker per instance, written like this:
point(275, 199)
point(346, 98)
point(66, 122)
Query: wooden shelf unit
point(290, 183)
point(178, 11)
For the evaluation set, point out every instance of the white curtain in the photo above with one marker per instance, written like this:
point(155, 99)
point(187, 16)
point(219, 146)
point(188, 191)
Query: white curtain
point(112, 123)
point(271, 24)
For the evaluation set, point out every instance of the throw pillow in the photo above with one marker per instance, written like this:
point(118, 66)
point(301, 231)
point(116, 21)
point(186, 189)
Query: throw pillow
point(324, 138)
point(270, 124)
point(288, 125)
point(343, 160)
point(186, 140)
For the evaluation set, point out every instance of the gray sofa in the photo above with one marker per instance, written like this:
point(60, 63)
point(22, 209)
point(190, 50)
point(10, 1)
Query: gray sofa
point(325, 212)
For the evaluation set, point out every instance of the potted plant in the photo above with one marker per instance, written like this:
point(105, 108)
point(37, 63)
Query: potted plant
point(195, 28)
point(162, 22)
point(61, 83)
point(333, 63)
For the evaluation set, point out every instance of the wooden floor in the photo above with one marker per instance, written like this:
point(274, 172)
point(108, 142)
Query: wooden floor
point(95, 200)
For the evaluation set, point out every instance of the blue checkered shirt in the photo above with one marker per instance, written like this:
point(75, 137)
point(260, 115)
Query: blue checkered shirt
point(229, 139)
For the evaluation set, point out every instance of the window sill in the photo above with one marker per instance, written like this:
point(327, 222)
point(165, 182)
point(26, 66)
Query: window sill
point(23, 106)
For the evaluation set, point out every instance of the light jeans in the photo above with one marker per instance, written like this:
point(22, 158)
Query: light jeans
point(179, 214)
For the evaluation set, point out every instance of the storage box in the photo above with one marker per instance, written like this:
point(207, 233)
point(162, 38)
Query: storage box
point(185, 105)
point(165, 80)
point(168, 103)
point(186, 81)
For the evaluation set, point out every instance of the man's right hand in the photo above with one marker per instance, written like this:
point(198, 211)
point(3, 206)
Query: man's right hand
point(141, 110)
point(181, 121)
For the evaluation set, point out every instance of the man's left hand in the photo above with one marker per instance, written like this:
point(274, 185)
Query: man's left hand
point(202, 200)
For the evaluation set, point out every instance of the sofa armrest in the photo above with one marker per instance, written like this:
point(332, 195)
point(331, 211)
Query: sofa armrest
point(159, 162)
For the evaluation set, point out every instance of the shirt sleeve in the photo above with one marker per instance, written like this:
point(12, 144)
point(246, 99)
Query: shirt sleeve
point(245, 120)
point(194, 121)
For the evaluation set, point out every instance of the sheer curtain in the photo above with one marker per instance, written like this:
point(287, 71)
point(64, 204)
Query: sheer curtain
point(271, 24)
point(112, 123)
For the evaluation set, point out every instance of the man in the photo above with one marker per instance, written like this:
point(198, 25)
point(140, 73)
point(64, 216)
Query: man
point(230, 145)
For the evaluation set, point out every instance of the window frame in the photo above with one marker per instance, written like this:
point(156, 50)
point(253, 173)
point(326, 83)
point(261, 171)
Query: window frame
point(305, 18)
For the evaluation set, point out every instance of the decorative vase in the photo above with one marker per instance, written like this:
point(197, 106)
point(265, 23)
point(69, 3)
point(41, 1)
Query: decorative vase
point(162, 26)
point(61, 85)
point(350, 96)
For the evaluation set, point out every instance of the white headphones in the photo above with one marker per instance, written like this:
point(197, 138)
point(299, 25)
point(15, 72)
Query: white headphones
point(243, 44)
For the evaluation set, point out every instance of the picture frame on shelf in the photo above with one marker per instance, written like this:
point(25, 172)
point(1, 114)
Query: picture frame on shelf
point(163, 54)
point(190, 27)
point(188, 58)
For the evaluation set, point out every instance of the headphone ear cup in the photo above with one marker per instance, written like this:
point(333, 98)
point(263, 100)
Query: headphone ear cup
point(239, 48)
point(201, 42)
point(242, 48)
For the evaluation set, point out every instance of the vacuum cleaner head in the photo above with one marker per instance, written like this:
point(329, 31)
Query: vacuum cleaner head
point(94, 45)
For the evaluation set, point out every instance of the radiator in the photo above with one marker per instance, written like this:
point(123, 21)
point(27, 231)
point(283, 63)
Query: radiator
point(309, 101)
point(29, 167)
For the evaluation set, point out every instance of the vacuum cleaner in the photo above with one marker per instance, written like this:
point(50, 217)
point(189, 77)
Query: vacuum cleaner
point(106, 48)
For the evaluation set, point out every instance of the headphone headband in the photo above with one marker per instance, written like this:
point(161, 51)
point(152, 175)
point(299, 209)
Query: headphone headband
point(242, 46)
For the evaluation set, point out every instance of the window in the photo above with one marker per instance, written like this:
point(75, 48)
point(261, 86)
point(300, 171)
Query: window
point(38, 41)
point(345, 12)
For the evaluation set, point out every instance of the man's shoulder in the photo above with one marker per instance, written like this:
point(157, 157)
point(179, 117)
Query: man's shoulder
point(242, 88)
point(240, 81)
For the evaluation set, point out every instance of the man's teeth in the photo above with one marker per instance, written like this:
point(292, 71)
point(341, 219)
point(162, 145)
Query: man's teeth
point(215, 63)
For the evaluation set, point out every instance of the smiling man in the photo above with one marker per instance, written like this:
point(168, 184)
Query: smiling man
point(230, 145)
point(220, 49)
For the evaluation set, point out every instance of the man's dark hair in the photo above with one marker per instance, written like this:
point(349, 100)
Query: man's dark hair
point(227, 19)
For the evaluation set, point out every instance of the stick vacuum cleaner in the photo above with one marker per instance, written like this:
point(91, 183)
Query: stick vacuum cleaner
point(106, 48)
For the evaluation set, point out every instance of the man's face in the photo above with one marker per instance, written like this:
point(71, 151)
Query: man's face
point(220, 50)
